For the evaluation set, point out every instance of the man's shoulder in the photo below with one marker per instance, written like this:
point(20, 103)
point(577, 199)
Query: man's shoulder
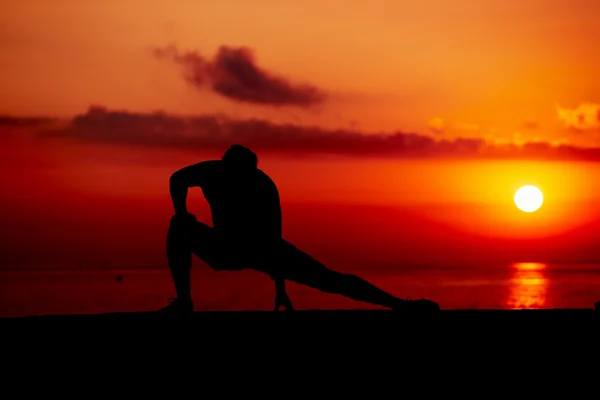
point(265, 179)
point(213, 163)
point(212, 167)
point(209, 172)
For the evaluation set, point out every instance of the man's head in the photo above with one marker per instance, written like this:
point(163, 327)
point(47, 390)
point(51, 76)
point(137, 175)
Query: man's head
point(240, 159)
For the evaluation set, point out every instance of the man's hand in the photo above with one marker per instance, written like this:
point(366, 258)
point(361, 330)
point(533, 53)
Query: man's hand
point(282, 300)
point(281, 297)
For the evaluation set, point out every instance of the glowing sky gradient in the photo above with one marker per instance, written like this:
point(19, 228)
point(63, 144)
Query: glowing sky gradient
point(506, 72)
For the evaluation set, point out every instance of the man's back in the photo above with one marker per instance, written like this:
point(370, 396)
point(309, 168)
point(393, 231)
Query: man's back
point(245, 207)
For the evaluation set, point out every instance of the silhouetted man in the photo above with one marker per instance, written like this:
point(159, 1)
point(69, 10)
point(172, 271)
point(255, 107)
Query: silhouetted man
point(247, 234)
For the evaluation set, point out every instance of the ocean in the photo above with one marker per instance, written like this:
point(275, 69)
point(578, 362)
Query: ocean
point(507, 286)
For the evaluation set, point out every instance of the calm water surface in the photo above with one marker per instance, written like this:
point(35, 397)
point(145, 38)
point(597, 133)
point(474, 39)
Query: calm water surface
point(511, 286)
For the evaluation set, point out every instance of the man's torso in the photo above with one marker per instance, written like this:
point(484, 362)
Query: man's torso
point(244, 211)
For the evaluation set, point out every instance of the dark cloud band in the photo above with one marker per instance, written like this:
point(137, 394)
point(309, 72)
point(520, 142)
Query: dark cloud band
point(210, 132)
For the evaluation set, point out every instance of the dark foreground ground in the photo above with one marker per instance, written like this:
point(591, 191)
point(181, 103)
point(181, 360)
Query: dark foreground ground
point(303, 344)
point(318, 328)
point(304, 354)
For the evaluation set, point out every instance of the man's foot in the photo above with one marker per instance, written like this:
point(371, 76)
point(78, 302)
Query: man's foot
point(178, 306)
point(419, 306)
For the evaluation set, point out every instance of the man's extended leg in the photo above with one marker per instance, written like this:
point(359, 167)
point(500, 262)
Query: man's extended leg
point(299, 267)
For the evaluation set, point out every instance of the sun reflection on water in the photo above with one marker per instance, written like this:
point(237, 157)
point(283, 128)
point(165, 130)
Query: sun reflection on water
point(528, 285)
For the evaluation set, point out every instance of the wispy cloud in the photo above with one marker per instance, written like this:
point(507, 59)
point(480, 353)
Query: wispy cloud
point(467, 127)
point(585, 117)
point(234, 73)
point(6, 120)
point(437, 124)
point(530, 125)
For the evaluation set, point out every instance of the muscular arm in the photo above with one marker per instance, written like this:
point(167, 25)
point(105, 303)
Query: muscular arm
point(274, 215)
point(270, 218)
point(196, 175)
point(274, 226)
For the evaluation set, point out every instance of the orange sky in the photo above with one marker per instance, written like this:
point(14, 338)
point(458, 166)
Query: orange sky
point(482, 68)
point(505, 71)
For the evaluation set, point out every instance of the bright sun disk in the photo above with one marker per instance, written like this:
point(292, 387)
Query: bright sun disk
point(529, 198)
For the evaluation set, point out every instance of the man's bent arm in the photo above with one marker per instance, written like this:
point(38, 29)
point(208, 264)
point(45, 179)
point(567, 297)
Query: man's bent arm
point(273, 220)
point(191, 176)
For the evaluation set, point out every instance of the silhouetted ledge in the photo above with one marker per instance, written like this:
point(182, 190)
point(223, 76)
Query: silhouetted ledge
point(257, 320)
point(324, 335)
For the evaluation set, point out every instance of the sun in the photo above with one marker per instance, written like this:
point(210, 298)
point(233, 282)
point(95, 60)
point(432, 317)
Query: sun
point(529, 198)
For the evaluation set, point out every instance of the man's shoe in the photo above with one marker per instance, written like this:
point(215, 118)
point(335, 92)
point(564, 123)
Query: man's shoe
point(178, 306)
point(418, 306)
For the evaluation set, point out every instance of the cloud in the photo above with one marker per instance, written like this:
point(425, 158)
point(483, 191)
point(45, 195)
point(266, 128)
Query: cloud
point(437, 124)
point(233, 73)
point(530, 125)
point(585, 117)
point(24, 121)
point(216, 132)
point(466, 127)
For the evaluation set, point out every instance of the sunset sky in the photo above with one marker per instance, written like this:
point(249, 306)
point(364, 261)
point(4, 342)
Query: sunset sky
point(390, 127)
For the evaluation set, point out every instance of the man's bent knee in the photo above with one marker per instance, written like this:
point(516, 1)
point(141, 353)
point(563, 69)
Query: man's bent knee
point(177, 232)
point(185, 228)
